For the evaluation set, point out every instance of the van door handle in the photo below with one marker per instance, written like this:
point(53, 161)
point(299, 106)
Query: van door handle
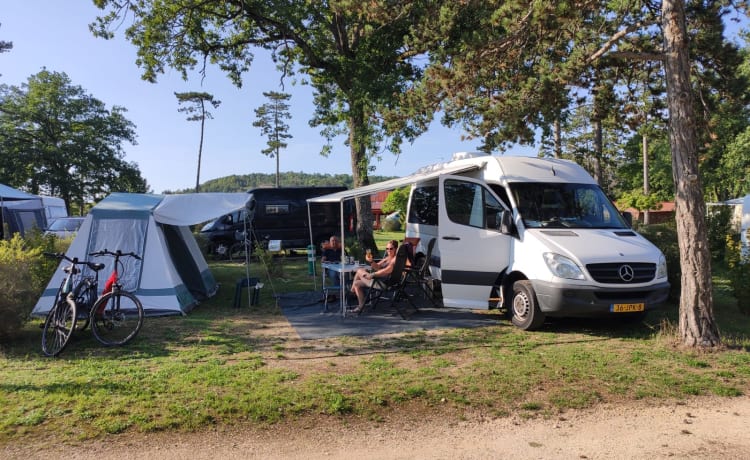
point(453, 238)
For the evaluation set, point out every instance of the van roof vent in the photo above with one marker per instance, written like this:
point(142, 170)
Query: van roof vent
point(559, 232)
point(628, 233)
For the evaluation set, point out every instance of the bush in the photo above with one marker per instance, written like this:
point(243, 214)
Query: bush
point(719, 224)
point(20, 278)
point(738, 263)
point(353, 248)
point(274, 266)
point(664, 237)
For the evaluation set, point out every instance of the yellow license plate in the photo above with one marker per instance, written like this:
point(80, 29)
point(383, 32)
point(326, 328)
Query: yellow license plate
point(628, 307)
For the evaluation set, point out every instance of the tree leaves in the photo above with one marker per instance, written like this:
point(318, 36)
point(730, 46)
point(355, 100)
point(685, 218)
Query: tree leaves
point(61, 141)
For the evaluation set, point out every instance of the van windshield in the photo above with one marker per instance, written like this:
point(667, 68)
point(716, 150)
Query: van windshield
point(564, 205)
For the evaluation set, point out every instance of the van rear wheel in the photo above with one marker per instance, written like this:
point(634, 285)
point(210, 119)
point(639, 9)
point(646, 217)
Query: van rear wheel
point(524, 308)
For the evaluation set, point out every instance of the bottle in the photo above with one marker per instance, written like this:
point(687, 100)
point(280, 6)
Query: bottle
point(368, 255)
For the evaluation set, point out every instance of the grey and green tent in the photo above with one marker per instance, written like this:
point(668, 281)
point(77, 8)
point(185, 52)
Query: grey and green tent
point(172, 276)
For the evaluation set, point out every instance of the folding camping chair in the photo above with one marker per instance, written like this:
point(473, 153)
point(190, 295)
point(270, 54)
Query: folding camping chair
point(394, 284)
point(421, 276)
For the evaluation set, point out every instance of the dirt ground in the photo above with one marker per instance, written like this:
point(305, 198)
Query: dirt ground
point(704, 427)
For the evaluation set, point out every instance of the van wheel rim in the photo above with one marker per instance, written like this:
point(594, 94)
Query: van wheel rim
point(521, 306)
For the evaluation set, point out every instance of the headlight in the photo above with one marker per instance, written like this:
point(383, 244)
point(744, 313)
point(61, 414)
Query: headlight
point(661, 269)
point(562, 267)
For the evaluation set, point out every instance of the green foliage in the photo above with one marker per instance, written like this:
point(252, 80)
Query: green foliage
point(719, 223)
point(664, 237)
point(738, 262)
point(735, 168)
point(243, 183)
point(636, 199)
point(194, 105)
point(397, 200)
point(273, 263)
point(353, 247)
point(358, 58)
point(270, 120)
point(57, 139)
point(20, 281)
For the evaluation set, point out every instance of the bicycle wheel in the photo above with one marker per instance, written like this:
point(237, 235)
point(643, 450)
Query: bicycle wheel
point(85, 295)
point(116, 318)
point(58, 327)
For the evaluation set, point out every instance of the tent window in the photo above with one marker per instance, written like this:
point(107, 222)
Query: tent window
point(127, 235)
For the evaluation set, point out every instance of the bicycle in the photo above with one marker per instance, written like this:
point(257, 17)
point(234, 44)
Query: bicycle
point(117, 315)
point(62, 318)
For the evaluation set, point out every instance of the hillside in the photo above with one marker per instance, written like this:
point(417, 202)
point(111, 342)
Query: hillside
point(242, 183)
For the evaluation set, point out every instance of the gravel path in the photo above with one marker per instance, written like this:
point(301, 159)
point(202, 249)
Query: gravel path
point(705, 427)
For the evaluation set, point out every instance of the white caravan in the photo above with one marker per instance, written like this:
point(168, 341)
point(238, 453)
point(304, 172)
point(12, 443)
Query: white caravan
point(538, 236)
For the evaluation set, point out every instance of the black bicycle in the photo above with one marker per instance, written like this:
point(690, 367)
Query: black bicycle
point(117, 315)
point(62, 318)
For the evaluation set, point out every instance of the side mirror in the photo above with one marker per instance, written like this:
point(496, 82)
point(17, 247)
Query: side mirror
point(505, 219)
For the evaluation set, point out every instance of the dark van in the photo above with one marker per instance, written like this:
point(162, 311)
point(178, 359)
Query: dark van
point(278, 214)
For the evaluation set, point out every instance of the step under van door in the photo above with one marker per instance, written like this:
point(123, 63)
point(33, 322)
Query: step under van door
point(473, 251)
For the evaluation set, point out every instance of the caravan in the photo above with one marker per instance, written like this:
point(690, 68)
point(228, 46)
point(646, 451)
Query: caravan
point(20, 212)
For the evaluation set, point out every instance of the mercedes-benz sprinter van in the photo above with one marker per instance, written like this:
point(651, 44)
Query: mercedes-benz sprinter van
point(536, 236)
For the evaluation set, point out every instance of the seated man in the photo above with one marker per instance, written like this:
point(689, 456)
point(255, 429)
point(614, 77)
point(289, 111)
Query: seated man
point(332, 253)
point(365, 279)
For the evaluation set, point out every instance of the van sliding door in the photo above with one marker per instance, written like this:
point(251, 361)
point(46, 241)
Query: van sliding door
point(473, 252)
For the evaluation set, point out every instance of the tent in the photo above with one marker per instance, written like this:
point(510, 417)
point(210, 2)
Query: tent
point(172, 276)
point(20, 211)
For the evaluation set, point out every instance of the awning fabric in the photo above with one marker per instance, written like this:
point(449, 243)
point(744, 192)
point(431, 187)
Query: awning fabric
point(427, 173)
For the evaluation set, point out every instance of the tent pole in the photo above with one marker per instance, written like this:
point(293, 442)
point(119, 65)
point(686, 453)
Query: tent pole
point(311, 247)
point(342, 275)
point(247, 261)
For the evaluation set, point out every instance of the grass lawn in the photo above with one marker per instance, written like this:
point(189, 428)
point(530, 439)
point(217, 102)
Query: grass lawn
point(221, 365)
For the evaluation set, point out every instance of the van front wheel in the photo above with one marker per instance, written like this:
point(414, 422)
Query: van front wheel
point(525, 312)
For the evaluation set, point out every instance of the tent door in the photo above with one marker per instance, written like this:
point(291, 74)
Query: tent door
point(183, 261)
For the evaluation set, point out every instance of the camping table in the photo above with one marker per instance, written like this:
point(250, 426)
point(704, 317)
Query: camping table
point(342, 269)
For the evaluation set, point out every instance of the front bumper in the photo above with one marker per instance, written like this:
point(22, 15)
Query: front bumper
point(560, 299)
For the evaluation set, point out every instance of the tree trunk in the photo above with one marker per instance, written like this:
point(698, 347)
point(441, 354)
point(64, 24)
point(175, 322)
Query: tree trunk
point(200, 153)
point(697, 327)
point(360, 165)
point(598, 153)
point(646, 190)
point(558, 138)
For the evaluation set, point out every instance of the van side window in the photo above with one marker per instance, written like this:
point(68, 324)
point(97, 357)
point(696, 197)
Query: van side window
point(276, 209)
point(424, 206)
point(471, 204)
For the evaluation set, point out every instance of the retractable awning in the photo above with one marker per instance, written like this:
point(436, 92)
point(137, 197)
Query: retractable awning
point(423, 174)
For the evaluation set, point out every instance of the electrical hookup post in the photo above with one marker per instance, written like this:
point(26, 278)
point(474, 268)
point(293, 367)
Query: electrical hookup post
point(311, 260)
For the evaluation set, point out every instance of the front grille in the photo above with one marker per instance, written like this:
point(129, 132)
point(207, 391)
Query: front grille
point(610, 273)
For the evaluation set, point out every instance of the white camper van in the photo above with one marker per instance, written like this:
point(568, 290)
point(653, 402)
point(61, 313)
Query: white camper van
point(537, 236)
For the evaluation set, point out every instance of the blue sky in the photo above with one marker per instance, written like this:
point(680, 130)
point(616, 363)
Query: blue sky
point(54, 34)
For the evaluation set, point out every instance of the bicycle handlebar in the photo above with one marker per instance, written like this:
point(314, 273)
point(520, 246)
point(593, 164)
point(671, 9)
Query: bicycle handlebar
point(61, 256)
point(74, 260)
point(118, 253)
